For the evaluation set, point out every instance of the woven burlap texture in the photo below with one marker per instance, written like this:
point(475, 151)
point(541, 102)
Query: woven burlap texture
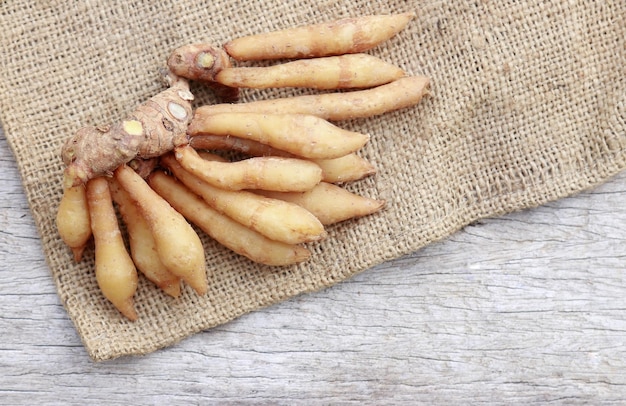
point(527, 105)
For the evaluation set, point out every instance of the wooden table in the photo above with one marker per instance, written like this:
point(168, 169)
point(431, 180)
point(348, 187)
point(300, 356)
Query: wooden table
point(525, 308)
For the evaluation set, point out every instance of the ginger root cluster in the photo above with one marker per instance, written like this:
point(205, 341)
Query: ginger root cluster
point(161, 168)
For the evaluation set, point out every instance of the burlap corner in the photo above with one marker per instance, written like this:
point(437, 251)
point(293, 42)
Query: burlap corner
point(528, 105)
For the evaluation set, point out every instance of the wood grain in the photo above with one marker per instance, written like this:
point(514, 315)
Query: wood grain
point(528, 308)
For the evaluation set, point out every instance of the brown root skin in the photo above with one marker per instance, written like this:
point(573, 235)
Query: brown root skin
point(246, 146)
point(198, 62)
point(154, 128)
point(202, 62)
point(144, 167)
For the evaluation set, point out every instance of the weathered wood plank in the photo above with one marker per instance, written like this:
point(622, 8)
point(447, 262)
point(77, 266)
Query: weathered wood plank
point(526, 308)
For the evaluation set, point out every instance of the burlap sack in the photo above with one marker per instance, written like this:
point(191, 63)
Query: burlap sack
point(528, 105)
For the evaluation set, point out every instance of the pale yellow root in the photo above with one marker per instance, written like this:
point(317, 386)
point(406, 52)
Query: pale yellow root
point(177, 244)
point(330, 203)
point(333, 72)
point(347, 168)
point(402, 93)
point(344, 36)
point(266, 173)
point(142, 246)
point(223, 229)
point(115, 270)
point(73, 221)
point(275, 219)
point(306, 136)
